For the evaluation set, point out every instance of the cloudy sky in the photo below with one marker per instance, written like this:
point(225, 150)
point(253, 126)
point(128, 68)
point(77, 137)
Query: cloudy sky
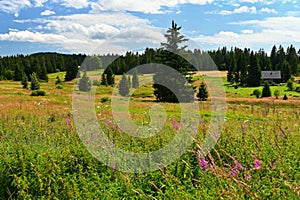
point(101, 26)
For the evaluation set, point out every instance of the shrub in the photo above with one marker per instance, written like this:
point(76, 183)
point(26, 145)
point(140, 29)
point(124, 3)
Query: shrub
point(58, 81)
point(202, 94)
point(95, 82)
point(84, 83)
point(38, 93)
point(285, 97)
point(276, 93)
point(105, 99)
point(290, 85)
point(266, 92)
point(59, 87)
point(35, 85)
point(298, 89)
point(257, 93)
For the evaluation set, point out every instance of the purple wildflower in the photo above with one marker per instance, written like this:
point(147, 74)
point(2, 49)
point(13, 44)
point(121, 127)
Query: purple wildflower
point(203, 164)
point(2, 137)
point(3, 116)
point(181, 124)
point(233, 171)
point(194, 128)
point(201, 121)
point(257, 164)
point(244, 127)
point(114, 166)
point(89, 141)
point(175, 125)
point(280, 134)
point(238, 165)
point(106, 122)
point(247, 177)
point(68, 120)
point(95, 135)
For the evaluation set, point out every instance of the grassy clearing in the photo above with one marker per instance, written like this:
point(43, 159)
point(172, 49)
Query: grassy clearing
point(42, 157)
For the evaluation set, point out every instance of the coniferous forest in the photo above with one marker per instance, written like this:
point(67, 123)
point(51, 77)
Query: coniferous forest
point(244, 66)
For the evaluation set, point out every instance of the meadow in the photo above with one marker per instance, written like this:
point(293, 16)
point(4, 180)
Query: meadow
point(42, 157)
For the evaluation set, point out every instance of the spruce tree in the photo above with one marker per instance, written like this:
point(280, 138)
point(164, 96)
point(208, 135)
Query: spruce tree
point(84, 83)
point(266, 92)
point(110, 77)
point(254, 72)
point(35, 84)
point(202, 93)
point(124, 88)
point(135, 79)
point(104, 80)
point(168, 56)
point(24, 81)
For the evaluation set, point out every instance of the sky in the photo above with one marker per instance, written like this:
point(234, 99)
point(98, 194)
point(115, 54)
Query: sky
point(117, 26)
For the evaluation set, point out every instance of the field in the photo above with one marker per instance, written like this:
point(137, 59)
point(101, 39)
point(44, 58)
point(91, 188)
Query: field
point(43, 157)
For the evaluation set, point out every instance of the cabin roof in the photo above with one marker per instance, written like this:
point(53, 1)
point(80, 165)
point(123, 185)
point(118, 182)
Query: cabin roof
point(270, 75)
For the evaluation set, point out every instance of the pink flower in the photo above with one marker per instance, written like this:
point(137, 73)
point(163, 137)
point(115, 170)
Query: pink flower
point(201, 121)
point(238, 165)
point(3, 116)
point(244, 127)
point(247, 177)
point(68, 120)
point(95, 135)
point(194, 128)
point(203, 164)
point(181, 124)
point(256, 164)
point(114, 166)
point(2, 137)
point(233, 171)
point(175, 125)
point(280, 134)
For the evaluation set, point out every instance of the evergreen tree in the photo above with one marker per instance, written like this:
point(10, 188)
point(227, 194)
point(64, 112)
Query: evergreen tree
point(84, 83)
point(72, 72)
point(24, 81)
point(43, 73)
point(58, 81)
point(274, 59)
point(104, 80)
point(293, 60)
point(135, 79)
point(290, 85)
point(254, 72)
point(124, 86)
point(129, 81)
point(168, 56)
point(110, 77)
point(35, 84)
point(285, 69)
point(266, 92)
point(202, 93)
point(18, 73)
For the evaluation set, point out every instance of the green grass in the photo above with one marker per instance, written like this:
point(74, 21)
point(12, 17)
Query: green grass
point(42, 157)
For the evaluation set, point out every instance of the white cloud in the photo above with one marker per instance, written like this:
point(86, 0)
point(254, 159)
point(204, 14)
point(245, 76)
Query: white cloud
point(145, 6)
point(39, 3)
point(268, 10)
point(75, 4)
point(13, 6)
point(276, 30)
point(47, 12)
point(240, 10)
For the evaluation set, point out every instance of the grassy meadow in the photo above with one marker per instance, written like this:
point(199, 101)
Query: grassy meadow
point(42, 157)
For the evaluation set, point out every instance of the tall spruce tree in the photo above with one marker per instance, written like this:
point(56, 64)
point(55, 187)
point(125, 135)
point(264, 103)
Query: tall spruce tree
point(110, 77)
point(135, 79)
point(266, 92)
point(202, 93)
point(103, 79)
point(24, 81)
point(254, 72)
point(35, 84)
point(124, 88)
point(168, 55)
point(84, 83)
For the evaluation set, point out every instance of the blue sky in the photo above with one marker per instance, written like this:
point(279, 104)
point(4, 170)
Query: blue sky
point(116, 26)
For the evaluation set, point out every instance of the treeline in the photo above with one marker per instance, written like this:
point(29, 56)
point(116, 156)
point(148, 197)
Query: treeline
point(244, 66)
point(13, 67)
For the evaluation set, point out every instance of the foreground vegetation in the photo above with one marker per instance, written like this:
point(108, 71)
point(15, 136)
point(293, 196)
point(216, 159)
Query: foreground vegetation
point(42, 157)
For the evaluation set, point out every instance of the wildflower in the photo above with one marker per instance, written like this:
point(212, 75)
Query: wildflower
point(68, 120)
point(2, 137)
point(238, 165)
point(3, 116)
point(106, 122)
point(244, 127)
point(280, 134)
point(247, 177)
point(194, 128)
point(201, 121)
point(233, 171)
point(95, 135)
point(181, 124)
point(203, 164)
point(175, 125)
point(257, 164)
point(111, 144)
point(114, 166)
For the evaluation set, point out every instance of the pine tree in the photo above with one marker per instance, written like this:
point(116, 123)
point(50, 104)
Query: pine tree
point(110, 77)
point(104, 80)
point(254, 72)
point(168, 56)
point(129, 81)
point(35, 85)
point(124, 86)
point(285, 69)
point(72, 72)
point(24, 81)
point(84, 83)
point(266, 92)
point(202, 94)
point(135, 79)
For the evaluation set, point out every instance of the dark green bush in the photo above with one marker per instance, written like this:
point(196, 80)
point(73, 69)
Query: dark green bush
point(36, 93)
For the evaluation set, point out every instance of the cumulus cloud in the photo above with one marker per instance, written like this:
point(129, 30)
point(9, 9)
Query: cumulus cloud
point(47, 12)
point(14, 6)
point(145, 6)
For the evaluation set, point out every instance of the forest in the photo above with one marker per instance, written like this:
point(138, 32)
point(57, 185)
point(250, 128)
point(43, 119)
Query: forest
point(244, 66)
